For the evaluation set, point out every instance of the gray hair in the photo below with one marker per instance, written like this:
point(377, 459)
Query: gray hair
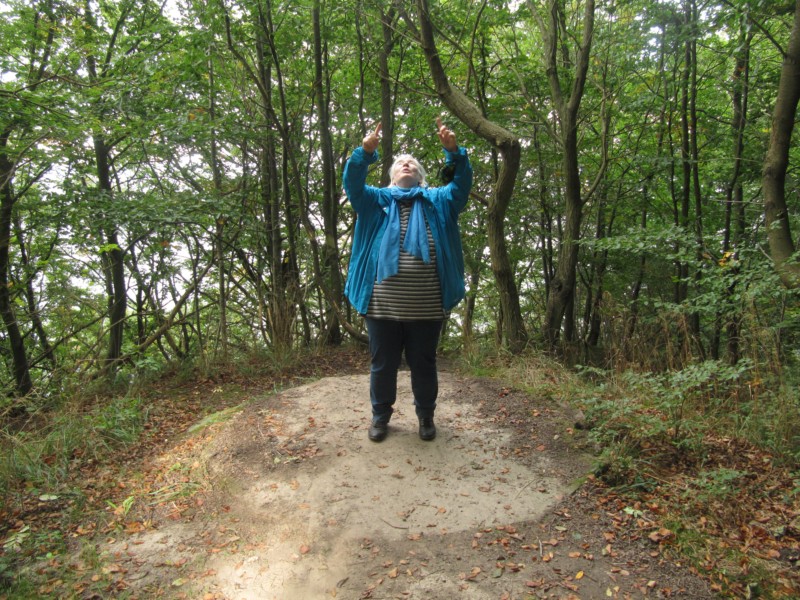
point(405, 157)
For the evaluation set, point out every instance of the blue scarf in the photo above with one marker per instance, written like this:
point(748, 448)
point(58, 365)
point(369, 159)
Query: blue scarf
point(416, 240)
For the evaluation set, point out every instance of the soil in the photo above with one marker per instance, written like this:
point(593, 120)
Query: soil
point(295, 503)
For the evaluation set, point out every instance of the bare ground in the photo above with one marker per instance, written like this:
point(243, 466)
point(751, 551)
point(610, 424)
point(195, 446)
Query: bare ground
point(298, 504)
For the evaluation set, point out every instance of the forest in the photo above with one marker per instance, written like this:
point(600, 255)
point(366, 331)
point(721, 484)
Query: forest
point(171, 198)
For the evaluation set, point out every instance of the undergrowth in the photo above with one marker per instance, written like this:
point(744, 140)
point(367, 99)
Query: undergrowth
point(40, 456)
point(69, 459)
point(716, 445)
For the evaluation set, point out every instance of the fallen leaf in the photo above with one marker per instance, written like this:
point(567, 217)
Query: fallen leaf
point(660, 535)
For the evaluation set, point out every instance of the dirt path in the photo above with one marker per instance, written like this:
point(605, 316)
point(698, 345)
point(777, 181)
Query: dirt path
point(303, 506)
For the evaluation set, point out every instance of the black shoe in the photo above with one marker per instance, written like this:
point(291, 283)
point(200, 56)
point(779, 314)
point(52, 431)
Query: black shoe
point(378, 431)
point(427, 430)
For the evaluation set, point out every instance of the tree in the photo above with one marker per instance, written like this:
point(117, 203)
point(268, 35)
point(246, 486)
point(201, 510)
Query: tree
point(514, 332)
point(17, 138)
point(561, 299)
point(776, 210)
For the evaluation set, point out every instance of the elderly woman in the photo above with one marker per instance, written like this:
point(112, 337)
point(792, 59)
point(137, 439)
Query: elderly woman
point(406, 271)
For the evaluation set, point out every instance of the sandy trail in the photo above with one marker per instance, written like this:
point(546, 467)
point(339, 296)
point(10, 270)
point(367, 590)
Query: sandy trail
point(309, 501)
point(300, 505)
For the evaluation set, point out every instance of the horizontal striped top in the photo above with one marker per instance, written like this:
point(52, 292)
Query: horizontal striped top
point(414, 293)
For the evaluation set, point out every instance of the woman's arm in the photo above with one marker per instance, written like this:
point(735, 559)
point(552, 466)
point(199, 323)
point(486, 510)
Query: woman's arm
point(446, 136)
point(355, 172)
point(457, 191)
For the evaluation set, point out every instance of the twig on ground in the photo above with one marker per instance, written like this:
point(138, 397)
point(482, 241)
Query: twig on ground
point(395, 526)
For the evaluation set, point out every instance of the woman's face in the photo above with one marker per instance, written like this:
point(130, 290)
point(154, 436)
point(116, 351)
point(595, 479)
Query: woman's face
point(406, 173)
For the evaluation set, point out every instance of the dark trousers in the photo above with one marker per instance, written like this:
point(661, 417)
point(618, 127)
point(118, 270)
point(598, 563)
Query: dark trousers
point(388, 340)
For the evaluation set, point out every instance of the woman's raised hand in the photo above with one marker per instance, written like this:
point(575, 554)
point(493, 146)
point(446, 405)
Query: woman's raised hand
point(372, 140)
point(446, 136)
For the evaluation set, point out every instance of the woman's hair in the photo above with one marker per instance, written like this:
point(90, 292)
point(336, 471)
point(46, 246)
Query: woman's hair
point(403, 158)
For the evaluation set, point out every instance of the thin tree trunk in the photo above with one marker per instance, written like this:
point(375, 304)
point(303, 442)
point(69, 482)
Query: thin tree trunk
point(599, 262)
point(30, 295)
point(776, 163)
point(332, 278)
point(113, 255)
point(387, 112)
point(734, 207)
point(22, 375)
point(682, 283)
point(514, 334)
point(562, 287)
point(221, 221)
point(697, 192)
point(545, 217)
point(276, 190)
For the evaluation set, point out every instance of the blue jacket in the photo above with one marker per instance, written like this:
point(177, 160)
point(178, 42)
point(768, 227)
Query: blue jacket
point(442, 207)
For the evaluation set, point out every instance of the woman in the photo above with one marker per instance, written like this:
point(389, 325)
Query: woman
point(406, 271)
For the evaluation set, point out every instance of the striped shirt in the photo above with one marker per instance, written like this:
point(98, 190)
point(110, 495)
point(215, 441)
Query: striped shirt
point(414, 293)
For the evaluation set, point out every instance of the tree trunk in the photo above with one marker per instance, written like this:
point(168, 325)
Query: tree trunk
point(276, 187)
point(22, 375)
point(562, 287)
point(779, 235)
point(594, 295)
point(30, 295)
point(697, 193)
point(514, 334)
point(682, 280)
point(332, 278)
point(730, 315)
point(221, 221)
point(270, 195)
point(545, 217)
point(388, 27)
point(114, 256)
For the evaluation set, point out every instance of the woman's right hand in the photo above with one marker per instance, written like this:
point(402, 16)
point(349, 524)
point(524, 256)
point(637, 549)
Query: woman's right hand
point(372, 140)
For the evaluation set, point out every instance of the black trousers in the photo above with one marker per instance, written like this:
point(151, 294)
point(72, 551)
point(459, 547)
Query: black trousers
point(388, 341)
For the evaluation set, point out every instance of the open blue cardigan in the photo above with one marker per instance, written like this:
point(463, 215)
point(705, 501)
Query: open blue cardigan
point(442, 206)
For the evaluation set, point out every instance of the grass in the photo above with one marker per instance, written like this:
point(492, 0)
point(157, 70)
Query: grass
point(42, 458)
point(214, 418)
point(715, 446)
point(76, 466)
point(36, 468)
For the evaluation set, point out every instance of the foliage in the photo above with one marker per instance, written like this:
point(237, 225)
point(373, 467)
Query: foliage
point(688, 449)
point(177, 98)
point(41, 457)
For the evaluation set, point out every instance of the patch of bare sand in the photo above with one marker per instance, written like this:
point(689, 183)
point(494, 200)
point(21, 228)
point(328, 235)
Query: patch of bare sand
point(304, 506)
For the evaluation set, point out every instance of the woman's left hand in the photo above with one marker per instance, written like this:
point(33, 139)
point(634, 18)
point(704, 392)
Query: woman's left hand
point(446, 136)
